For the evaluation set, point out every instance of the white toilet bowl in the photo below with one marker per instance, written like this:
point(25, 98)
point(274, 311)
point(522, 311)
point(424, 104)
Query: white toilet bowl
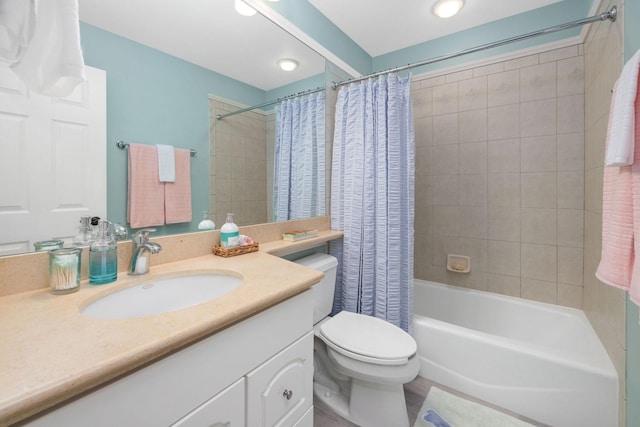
point(361, 362)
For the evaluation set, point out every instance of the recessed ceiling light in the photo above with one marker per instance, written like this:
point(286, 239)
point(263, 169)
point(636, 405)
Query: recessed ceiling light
point(447, 8)
point(244, 9)
point(287, 64)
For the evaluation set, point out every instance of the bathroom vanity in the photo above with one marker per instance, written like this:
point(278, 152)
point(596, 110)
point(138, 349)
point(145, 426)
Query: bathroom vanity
point(245, 357)
point(257, 372)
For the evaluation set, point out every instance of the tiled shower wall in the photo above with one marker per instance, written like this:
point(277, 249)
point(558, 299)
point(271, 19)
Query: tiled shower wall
point(500, 176)
point(603, 305)
point(238, 165)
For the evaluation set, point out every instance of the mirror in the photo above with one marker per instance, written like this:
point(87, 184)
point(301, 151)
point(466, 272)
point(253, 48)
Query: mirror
point(163, 61)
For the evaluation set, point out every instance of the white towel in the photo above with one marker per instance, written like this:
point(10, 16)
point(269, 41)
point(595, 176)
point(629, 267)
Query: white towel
point(622, 118)
point(166, 163)
point(17, 21)
point(52, 64)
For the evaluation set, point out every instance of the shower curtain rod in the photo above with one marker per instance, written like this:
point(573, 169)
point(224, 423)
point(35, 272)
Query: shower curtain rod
point(610, 15)
point(306, 92)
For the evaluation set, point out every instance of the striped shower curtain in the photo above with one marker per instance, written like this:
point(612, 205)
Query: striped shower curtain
point(299, 164)
point(372, 199)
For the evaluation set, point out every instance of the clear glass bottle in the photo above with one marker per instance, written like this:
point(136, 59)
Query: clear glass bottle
point(229, 233)
point(85, 235)
point(64, 270)
point(103, 256)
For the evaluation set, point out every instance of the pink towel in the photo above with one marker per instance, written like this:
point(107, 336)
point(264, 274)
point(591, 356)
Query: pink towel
point(145, 204)
point(619, 264)
point(177, 195)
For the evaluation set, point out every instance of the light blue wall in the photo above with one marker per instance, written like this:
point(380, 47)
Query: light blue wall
point(154, 98)
point(631, 46)
point(557, 13)
point(299, 86)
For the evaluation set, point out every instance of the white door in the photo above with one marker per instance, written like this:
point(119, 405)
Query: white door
point(52, 161)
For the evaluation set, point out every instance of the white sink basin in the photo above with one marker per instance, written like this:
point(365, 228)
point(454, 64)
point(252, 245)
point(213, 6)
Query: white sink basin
point(162, 296)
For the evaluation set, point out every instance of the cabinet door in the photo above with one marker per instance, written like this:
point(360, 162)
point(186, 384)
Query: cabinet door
point(280, 391)
point(225, 409)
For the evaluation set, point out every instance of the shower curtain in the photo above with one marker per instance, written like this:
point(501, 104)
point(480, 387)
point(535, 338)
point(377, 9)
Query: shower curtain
point(299, 164)
point(372, 199)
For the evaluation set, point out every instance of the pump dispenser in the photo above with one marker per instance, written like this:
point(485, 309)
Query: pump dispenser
point(103, 256)
point(229, 233)
point(206, 223)
point(85, 236)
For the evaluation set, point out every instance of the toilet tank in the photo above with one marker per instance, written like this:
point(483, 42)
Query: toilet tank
point(322, 292)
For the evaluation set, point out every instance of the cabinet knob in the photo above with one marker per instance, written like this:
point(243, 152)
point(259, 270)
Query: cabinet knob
point(288, 394)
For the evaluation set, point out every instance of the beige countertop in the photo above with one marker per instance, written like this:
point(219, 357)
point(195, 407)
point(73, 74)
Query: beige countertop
point(50, 352)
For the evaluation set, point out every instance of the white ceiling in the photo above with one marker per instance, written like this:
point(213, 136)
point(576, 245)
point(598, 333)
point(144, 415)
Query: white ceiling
point(382, 26)
point(211, 34)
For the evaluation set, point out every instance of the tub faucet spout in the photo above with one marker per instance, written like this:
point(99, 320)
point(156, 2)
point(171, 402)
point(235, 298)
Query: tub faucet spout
point(142, 248)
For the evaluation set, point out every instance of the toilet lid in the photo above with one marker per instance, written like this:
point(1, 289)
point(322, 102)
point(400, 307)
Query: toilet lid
point(368, 339)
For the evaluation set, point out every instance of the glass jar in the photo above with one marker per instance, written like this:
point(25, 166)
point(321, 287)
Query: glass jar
point(64, 270)
point(48, 245)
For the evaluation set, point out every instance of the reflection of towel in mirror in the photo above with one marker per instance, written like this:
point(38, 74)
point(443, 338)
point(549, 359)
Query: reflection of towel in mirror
point(52, 64)
point(177, 195)
point(145, 205)
point(17, 20)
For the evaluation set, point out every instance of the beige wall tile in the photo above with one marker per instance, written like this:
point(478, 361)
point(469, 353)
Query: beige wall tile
point(503, 258)
point(445, 190)
point(571, 114)
point(445, 221)
point(422, 100)
point(503, 155)
point(559, 54)
point(504, 190)
point(571, 190)
point(505, 285)
point(538, 154)
point(571, 227)
point(538, 190)
point(445, 99)
point(472, 94)
point(504, 122)
point(445, 129)
point(539, 290)
point(538, 226)
point(473, 125)
point(503, 88)
point(445, 159)
point(472, 190)
point(525, 61)
point(423, 129)
point(473, 158)
point(571, 152)
point(472, 222)
point(488, 69)
point(570, 265)
point(539, 262)
point(538, 82)
point(570, 295)
point(571, 76)
point(442, 245)
point(476, 250)
point(538, 118)
point(423, 160)
point(503, 223)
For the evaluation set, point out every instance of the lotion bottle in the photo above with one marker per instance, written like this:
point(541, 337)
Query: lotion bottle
point(103, 256)
point(229, 233)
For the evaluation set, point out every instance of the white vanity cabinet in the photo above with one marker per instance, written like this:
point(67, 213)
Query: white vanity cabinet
point(258, 372)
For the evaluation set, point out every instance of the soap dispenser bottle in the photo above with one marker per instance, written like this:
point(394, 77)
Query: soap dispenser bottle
point(84, 236)
point(229, 233)
point(206, 223)
point(103, 256)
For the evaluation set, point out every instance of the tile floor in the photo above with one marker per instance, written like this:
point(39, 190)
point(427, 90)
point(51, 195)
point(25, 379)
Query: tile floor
point(415, 393)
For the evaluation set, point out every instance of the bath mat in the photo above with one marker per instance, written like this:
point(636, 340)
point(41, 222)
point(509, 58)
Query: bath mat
point(442, 409)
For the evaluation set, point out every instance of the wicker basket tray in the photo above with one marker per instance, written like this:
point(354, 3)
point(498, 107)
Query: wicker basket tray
point(238, 250)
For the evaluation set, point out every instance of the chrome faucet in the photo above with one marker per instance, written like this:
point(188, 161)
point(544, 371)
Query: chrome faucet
point(142, 248)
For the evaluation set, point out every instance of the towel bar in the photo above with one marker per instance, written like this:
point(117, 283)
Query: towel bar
point(123, 145)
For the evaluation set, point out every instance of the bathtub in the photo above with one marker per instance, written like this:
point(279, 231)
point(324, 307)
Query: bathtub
point(539, 360)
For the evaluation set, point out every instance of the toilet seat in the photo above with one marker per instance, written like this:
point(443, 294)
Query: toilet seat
point(367, 339)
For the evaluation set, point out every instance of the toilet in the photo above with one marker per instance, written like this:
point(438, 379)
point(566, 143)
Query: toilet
point(360, 362)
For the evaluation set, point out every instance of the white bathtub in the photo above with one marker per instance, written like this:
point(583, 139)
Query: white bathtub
point(539, 360)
